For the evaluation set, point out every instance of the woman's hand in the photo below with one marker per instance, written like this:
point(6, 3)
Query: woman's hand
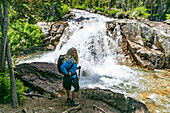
point(79, 67)
point(69, 73)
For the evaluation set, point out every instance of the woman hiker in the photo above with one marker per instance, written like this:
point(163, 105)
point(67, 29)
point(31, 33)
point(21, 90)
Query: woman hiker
point(69, 68)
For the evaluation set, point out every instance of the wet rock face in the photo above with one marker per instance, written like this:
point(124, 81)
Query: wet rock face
point(52, 32)
point(71, 15)
point(167, 21)
point(147, 42)
point(40, 76)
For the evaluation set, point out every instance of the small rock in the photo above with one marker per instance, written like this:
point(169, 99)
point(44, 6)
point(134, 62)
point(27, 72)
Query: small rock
point(50, 108)
point(24, 111)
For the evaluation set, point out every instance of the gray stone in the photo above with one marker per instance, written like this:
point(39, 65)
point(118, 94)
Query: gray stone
point(41, 77)
point(116, 100)
point(155, 36)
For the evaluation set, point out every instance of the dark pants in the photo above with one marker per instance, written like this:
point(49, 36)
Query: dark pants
point(68, 82)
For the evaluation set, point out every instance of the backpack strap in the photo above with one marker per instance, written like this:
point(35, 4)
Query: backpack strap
point(70, 67)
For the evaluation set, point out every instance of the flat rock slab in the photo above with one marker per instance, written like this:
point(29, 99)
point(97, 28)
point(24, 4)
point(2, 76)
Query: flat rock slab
point(40, 76)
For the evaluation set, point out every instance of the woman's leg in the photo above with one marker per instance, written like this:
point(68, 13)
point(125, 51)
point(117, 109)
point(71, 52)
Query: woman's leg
point(75, 84)
point(74, 94)
point(67, 86)
point(68, 93)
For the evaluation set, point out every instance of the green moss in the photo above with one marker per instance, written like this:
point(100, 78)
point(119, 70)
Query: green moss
point(144, 39)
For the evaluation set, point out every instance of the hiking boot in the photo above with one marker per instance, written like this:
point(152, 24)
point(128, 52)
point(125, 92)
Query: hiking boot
point(73, 103)
point(68, 100)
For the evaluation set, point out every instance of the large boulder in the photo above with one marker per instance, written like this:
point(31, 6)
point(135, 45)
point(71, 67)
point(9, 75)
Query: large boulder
point(167, 21)
point(148, 41)
point(115, 100)
point(45, 27)
point(40, 76)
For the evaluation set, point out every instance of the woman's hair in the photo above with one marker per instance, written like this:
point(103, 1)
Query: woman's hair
point(69, 56)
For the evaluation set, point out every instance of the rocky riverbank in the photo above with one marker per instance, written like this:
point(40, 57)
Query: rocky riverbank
point(45, 79)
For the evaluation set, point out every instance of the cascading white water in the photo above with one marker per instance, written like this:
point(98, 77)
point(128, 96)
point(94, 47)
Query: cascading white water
point(118, 35)
point(97, 56)
point(97, 53)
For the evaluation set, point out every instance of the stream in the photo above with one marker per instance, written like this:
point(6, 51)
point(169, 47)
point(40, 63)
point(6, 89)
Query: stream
point(98, 59)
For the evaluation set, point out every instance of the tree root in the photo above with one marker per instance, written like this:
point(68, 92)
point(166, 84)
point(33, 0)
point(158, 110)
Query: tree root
point(37, 95)
point(75, 109)
point(98, 108)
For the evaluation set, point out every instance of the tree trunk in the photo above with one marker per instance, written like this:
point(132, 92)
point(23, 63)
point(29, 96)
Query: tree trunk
point(138, 2)
point(12, 78)
point(111, 2)
point(5, 50)
point(166, 9)
point(154, 9)
point(126, 4)
point(123, 5)
point(65, 1)
point(151, 8)
point(0, 16)
point(71, 2)
point(160, 11)
point(90, 4)
point(4, 36)
point(52, 8)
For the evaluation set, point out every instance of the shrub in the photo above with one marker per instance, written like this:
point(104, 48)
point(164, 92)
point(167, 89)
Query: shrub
point(113, 12)
point(100, 9)
point(64, 9)
point(5, 89)
point(23, 36)
point(83, 6)
point(167, 16)
point(142, 12)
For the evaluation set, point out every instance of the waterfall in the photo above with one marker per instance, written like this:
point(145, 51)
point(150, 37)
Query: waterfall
point(98, 58)
point(118, 35)
point(97, 52)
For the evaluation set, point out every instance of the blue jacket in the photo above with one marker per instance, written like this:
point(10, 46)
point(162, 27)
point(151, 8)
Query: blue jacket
point(66, 65)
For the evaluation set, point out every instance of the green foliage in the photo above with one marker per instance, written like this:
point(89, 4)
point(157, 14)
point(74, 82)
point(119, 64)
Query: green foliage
point(36, 10)
point(100, 9)
point(83, 6)
point(50, 19)
point(23, 36)
point(167, 16)
point(144, 39)
point(52, 10)
point(113, 11)
point(123, 12)
point(5, 89)
point(65, 9)
point(142, 12)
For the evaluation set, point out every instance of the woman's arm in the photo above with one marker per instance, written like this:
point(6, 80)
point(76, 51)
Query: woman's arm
point(64, 67)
